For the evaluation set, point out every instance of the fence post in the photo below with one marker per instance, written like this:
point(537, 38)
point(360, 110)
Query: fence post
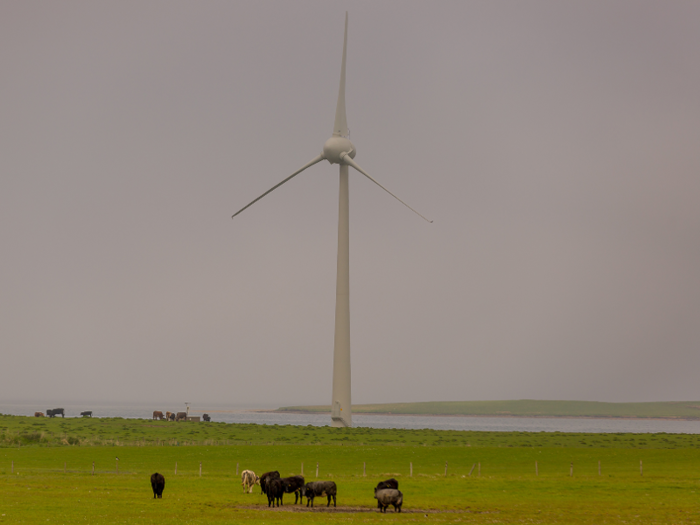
point(599, 467)
point(571, 470)
point(316, 469)
point(364, 468)
point(472, 470)
point(411, 468)
point(641, 471)
point(237, 468)
point(537, 472)
point(445, 468)
point(117, 465)
point(93, 468)
point(200, 469)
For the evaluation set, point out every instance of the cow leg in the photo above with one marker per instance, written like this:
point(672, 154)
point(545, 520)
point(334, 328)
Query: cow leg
point(334, 501)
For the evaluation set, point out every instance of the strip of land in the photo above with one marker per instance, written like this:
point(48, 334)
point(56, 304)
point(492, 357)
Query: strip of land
point(689, 410)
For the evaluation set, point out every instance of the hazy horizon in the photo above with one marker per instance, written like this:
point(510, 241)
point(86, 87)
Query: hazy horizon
point(555, 146)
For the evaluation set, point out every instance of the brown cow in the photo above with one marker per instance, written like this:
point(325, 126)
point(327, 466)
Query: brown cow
point(38, 414)
point(168, 416)
point(181, 416)
point(157, 414)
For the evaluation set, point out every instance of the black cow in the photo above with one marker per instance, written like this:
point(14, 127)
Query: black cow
point(319, 488)
point(206, 417)
point(390, 483)
point(293, 484)
point(87, 413)
point(386, 497)
point(275, 491)
point(158, 484)
point(53, 412)
point(265, 478)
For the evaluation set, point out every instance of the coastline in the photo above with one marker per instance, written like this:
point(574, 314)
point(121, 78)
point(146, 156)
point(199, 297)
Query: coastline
point(505, 416)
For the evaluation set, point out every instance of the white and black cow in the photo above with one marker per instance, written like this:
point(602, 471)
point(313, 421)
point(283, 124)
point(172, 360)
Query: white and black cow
point(248, 480)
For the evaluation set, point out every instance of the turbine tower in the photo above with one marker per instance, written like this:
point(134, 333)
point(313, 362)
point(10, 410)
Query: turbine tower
point(339, 150)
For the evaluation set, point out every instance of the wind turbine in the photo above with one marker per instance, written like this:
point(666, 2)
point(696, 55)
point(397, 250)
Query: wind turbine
point(339, 150)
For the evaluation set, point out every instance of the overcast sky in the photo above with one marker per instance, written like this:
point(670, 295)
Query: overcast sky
point(556, 146)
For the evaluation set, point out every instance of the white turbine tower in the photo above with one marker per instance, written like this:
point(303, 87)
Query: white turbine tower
point(339, 150)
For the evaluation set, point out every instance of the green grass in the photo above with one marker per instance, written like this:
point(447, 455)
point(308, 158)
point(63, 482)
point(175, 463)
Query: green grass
point(525, 408)
point(51, 481)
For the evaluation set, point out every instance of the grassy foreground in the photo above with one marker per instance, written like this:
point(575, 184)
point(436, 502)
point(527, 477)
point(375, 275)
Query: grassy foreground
point(525, 408)
point(491, 477)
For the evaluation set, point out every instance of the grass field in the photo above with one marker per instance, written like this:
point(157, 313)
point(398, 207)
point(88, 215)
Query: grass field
point(525, 408)
point(45, 479)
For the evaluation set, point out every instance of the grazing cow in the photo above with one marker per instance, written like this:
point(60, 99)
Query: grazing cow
point(390, 483)
point(206, 417)
point(53, 412)
point(87, 413)
point(181, 416)
point(293, 484)
point(157, 414)
point(386, 497)
point(319, 488)
point(265, 478)
point(248, 480)
point(158, 484)
point(38, 414)
point(275, 491)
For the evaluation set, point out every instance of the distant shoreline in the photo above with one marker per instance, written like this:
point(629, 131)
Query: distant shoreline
point(504, 416)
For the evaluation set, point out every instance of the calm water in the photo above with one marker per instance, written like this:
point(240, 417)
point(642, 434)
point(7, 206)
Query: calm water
point(234, 414)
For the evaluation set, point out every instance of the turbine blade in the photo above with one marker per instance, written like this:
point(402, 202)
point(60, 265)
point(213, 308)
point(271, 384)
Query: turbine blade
point(347, 160)
point(340, 127)
point(297, 172)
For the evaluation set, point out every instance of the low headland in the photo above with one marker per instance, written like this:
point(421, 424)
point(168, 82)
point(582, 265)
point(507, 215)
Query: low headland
point(688, 410)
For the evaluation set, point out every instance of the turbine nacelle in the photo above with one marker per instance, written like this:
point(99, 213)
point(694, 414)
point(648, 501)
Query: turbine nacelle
point(336, 148)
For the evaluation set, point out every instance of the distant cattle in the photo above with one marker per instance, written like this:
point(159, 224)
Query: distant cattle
point(181, 416)
point(206, 417)
point(248, 480)
point(87, 413)
point(293, 484)
point(53, 412)
point(386, 497)
point(157, 414)
point(390, 483)
point(265, 478)
point(319, 488)
point(38, 414)
point(170, 416)
point(275, 491)
point(158, 484)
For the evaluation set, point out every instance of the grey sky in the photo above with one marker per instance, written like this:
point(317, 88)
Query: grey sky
point(555, 145)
